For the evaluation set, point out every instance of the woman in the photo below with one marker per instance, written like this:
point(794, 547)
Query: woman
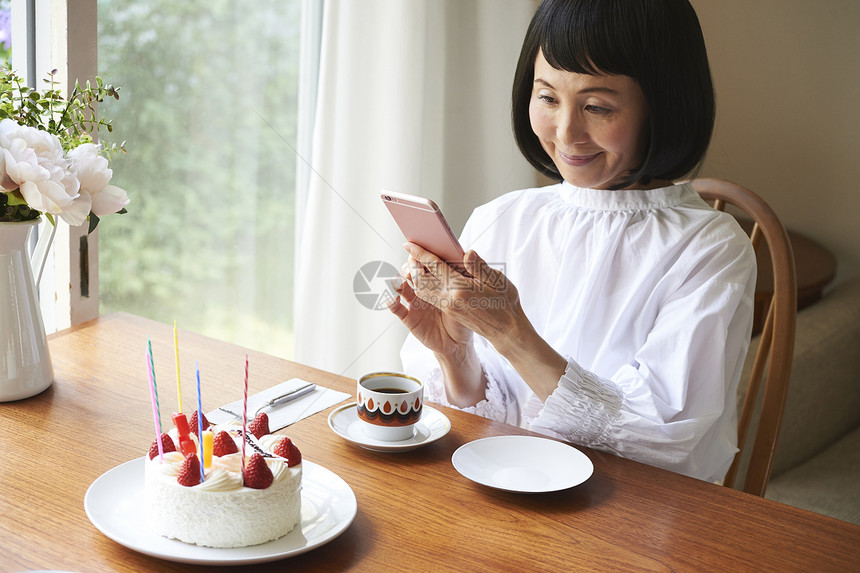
point(622, 316)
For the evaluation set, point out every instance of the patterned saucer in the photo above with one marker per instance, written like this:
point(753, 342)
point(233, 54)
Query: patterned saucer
point(432, 426)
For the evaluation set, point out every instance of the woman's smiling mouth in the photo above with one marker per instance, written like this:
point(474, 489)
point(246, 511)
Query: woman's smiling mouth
point(577, 160)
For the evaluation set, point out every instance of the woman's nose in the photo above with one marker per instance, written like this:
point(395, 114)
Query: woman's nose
point(571, 129)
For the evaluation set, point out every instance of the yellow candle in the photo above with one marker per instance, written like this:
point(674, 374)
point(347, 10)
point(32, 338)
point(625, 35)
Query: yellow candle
point(207, 448)
point(176, 351)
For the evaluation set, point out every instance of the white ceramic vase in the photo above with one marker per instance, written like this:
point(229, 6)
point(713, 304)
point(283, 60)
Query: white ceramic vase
point(25, 364)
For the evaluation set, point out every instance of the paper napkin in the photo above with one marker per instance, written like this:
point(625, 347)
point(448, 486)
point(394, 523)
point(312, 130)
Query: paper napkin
point(281, 415)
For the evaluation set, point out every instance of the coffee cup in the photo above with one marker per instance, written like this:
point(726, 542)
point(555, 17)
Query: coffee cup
point(389, 404)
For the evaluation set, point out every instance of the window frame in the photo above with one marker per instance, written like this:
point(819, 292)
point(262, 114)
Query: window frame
point(62, 35)
point(52, 35)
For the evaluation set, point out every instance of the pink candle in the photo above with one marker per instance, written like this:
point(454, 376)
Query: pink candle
point(244, 417)
point(153, 393)
point(200, 424)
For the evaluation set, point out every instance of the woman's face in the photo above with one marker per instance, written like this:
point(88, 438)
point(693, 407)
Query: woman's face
point(593, 127)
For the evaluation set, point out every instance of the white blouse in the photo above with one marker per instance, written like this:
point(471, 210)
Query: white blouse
point(649, 296)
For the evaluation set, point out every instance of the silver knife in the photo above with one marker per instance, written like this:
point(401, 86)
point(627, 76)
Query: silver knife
point(278, 400)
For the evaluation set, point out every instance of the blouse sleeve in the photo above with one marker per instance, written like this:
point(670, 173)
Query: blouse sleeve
point(499, 402)
point(662, 407)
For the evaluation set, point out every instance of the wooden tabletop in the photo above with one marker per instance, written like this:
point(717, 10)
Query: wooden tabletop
point(415, 511)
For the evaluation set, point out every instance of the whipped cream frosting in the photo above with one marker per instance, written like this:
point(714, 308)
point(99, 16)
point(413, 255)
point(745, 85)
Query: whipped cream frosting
point(224, 474)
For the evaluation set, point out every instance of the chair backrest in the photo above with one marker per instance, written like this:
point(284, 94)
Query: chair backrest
point(776, 346)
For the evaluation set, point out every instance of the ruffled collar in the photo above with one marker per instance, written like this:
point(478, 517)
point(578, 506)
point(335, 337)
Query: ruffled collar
point(626, 199)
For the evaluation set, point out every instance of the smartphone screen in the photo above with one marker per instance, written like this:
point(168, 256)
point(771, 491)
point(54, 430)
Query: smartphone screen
point(422, 223)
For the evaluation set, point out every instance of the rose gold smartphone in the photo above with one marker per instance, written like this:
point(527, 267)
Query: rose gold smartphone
point(422, 223)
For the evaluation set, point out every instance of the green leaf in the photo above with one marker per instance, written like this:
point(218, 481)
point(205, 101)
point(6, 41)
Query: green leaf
point(94, 221)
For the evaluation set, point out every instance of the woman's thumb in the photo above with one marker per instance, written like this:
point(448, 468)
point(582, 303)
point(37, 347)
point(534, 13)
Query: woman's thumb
point(471, 260)
point(475, 265)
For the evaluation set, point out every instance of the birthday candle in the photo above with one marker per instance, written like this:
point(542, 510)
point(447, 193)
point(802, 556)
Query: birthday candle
point(153, 393)
point(244, 417)
point(178, 382)
point(200, 421)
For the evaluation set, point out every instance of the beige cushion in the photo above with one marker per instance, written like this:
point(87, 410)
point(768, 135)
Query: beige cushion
point(828, 483)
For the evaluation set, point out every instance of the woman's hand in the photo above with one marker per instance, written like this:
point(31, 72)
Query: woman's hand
point(449, 340)
point(433, 328)
point(486, 303)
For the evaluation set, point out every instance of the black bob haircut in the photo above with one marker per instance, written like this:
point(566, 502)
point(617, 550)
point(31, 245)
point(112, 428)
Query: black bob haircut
point(658, 43)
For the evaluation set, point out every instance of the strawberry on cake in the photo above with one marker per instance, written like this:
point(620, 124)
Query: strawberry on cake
point(224, 506)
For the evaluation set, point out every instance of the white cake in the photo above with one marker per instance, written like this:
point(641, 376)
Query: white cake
point(220, 511)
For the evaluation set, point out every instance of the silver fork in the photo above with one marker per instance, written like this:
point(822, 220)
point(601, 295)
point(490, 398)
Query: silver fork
point(277, 400)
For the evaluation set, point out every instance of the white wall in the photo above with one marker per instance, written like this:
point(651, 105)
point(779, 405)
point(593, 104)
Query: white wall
point(787, 75)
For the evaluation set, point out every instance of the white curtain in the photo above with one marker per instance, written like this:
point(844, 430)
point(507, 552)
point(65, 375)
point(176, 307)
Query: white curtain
point(412, 96)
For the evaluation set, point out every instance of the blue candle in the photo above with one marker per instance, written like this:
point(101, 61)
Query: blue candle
point(199, 421)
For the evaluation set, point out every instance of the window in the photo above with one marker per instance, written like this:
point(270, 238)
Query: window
point(5, 30)
point(207, 108)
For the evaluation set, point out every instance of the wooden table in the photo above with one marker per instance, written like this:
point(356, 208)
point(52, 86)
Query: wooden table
point(628, 516)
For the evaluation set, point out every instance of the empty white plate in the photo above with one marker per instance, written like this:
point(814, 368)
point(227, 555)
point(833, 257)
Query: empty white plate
point(523, 464)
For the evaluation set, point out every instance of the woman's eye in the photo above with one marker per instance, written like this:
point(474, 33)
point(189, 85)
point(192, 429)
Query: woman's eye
point(546, 98)
point(597, 109)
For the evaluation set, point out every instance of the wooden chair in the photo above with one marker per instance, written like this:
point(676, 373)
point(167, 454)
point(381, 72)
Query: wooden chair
point(776, 347)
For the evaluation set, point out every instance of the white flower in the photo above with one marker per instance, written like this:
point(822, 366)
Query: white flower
point(76, 213)
point(32, 161)
point(37, 177)
point(94, 175)
point(111, 199)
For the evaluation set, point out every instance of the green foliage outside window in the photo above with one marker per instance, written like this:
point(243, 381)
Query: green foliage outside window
point(208, 114)
point(5, 30)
